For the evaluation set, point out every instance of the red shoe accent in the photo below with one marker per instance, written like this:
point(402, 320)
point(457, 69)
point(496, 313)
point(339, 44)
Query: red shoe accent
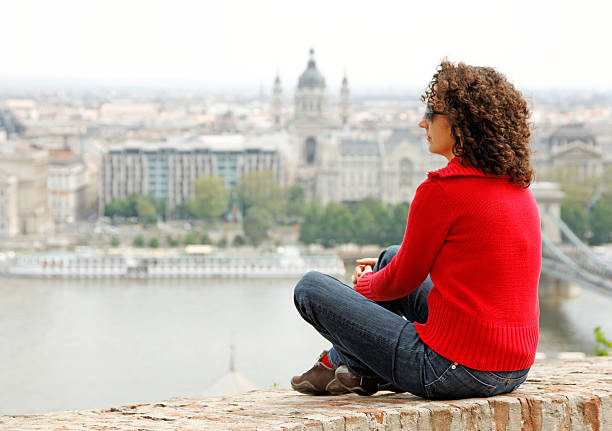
point(325, 361)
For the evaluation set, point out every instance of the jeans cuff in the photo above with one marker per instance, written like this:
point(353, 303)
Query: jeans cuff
point(333, 358)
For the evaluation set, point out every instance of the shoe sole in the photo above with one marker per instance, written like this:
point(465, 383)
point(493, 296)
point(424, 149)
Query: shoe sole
point(359, 391)
point(306, 387)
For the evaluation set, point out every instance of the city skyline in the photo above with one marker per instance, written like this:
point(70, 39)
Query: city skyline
point(239, 45)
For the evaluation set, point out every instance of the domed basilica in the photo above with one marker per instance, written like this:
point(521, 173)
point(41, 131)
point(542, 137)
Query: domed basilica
point(337, 162)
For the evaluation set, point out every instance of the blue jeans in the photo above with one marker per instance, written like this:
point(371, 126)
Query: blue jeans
point(379, 339)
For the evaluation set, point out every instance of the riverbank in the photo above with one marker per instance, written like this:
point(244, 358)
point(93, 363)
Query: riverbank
point(574, 395)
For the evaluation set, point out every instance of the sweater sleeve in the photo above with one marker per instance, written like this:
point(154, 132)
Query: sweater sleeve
point(429, 221)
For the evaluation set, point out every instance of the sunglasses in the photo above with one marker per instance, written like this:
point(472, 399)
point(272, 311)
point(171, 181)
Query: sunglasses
point(429, 113)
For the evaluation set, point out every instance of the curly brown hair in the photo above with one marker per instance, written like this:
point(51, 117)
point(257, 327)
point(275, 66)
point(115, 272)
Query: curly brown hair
point(488, 117)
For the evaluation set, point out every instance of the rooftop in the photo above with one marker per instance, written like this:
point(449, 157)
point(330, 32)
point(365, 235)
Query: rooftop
point(359, 147)
point(272, 142)
point(20, 150)
point(311, 77)
point(573, 132)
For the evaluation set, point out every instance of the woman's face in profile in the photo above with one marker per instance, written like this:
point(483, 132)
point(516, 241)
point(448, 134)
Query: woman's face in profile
point(439, 134)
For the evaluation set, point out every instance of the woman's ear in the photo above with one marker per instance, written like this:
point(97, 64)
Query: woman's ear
point(457, 134)
point(458, 140)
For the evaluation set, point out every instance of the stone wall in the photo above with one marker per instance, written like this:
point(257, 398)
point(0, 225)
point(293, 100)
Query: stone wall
point(567, 395)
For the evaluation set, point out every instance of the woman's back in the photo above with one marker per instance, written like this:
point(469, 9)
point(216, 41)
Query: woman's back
point(484, 304)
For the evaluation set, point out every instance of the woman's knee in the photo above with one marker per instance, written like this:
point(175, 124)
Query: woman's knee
point(392, 250)
point(387, 255)
point(311, 284)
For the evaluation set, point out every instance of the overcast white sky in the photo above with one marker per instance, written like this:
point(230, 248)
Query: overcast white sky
point(381, 44)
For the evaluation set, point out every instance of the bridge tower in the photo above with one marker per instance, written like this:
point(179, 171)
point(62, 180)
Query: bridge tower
point(549, 197)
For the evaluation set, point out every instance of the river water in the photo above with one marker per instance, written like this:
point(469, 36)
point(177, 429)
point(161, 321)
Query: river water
point(80, 344)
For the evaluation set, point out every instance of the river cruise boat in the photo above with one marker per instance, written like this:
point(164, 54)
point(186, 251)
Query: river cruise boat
point(284, 263)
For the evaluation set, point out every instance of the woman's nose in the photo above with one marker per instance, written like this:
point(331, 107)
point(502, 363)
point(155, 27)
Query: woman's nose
point(423, 123)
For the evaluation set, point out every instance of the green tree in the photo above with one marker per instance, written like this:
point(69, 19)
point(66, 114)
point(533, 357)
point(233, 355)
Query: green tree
point(376, 207)
point(260, 188)
point(191, 238)
point(372, 222)
point(131, 206)
point(205, 239)
point(210, 198)
point(115, 242)
point(366, 222)
point(365, 229)
point(575, 216)
point(145, 209)
point(171, 241)
point(600, 220)
point(238, 241)
point(575, 187)
point(256, 224)
point(222, 243)
point(115, 208)
point(138, 241)
point(397, 224)
point(154, 243)
point(181, 211)
point(160, 205)
point(337, 225)
point(296, 201)
point(310, 228)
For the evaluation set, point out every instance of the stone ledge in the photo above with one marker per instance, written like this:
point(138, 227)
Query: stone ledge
point(567, 395)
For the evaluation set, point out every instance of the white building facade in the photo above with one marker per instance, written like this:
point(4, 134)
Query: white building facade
point(9, 211)
point(68, 187)
point(30, 167)
point(385, 165)
point(575, 149)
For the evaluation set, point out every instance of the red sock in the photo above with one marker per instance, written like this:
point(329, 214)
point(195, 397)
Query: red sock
point(325, 360)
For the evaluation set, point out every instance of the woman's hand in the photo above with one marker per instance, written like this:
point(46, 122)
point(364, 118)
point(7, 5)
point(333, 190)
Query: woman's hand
point(364, 266)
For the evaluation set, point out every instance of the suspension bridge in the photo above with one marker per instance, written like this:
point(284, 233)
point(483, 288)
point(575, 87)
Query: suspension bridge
point(570, 261)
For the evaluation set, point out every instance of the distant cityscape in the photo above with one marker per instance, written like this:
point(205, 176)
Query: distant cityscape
point(64, 156)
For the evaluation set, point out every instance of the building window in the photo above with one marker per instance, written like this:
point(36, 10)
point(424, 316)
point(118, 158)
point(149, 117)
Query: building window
point(310, 150)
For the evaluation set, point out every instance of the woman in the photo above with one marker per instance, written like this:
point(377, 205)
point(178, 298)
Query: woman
point(453, 312)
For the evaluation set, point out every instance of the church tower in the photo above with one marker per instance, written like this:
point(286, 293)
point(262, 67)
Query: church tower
point(311, 115)
point(311, 122)
point(311, 95)
point(345, 102)
point(277, 103)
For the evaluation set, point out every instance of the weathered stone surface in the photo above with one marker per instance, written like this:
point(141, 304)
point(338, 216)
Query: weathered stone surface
point(568, 395)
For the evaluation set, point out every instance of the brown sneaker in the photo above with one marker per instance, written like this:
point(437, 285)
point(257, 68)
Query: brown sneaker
point(319, 380)
point(358, 384)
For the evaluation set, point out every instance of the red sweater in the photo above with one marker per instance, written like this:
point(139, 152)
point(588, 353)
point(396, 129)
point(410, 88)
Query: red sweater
point(478, 236)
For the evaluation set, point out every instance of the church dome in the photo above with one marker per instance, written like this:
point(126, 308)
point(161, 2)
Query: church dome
point(311, 78)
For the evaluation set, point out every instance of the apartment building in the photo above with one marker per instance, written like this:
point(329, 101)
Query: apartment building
point(168, 170)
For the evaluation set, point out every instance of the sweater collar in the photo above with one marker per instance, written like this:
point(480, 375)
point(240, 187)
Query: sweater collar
point(454, 168)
